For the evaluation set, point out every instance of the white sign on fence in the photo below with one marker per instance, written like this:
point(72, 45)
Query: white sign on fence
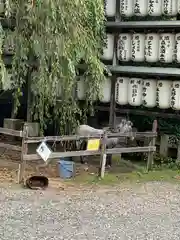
point(44, 151)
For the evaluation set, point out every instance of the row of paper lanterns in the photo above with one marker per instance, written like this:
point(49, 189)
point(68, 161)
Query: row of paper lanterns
point(138, 47)
point(129, 8)
point(133, 91)
point(136, 92)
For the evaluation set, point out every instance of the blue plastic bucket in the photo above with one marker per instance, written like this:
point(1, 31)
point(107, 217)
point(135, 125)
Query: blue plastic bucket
point(66, 168)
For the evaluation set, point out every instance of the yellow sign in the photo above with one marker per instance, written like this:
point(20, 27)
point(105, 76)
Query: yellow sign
point(93, 144)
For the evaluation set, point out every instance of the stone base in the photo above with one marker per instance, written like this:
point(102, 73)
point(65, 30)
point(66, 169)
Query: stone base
point(17, 124)
point(34, 129)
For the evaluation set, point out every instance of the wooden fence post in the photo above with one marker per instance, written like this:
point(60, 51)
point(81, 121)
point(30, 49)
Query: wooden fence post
point(164, 145)
point(150, 161)
point(24, 150)
point(103, 157)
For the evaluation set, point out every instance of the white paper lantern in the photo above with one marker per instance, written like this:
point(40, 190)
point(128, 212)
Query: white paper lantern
point(110, 8)
point(169, 7)
point(163, 94)
point(135, 92)
point(1, 6)
point(152, 47)
point(167, 47)
point(138, 47)
point(155, 7)
point(108, 51)
point(81, 89)
point(106, 91)
point(175, 95)
point(178, 6)
point(140, 7)
point(124, 47)
point(149, 93)
point(177, 48)
point(126, 8)
point(121, 90)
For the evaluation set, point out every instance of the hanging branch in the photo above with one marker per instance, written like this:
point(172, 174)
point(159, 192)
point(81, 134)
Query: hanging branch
point(61, 35)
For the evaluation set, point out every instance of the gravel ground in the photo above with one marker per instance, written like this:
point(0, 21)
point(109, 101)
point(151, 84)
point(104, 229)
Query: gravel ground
point(142, 211)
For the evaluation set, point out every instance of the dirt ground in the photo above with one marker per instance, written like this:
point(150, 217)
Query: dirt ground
point(9, 164)
point(10, 160)
point(121, 170)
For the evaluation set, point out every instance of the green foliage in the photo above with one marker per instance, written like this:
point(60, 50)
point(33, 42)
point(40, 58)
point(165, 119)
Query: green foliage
point(57, 35)
point(161, 162)
point(166, 126)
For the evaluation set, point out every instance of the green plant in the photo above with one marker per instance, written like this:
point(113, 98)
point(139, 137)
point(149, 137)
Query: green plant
point(52, 37)
point(161, 162)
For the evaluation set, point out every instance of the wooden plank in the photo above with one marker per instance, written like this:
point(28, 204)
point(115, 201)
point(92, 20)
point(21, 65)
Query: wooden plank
point(24, 151)
point(139, 112)
point(152, 143)
point(141, 70)
point(32, 157)
point(133, 134)
point(59, 138)
point(78, 137)
point(103, 157)
point(11, 132)
point(10, 147)
point(112, 113)
point(165, 24)
point(117, 151)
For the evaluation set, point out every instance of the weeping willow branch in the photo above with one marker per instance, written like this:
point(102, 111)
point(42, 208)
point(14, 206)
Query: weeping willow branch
point(59, 35)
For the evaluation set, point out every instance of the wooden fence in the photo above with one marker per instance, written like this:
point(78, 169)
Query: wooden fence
point(25, 157)
point(165, 144)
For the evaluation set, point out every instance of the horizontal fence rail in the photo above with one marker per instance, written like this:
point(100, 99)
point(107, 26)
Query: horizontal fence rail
point(78, 137)
point(114, 151)
point(57, 155)
point(10, 147)
point(11, 132)
point(117, 151)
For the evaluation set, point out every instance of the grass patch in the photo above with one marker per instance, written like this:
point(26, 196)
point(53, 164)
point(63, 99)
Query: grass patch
point(127, 171)
point(134, 177)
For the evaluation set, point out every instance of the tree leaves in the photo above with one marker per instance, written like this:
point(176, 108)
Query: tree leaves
point(60, 34)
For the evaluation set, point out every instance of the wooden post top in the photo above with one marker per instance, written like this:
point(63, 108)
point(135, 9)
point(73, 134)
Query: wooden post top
point(155, 125)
